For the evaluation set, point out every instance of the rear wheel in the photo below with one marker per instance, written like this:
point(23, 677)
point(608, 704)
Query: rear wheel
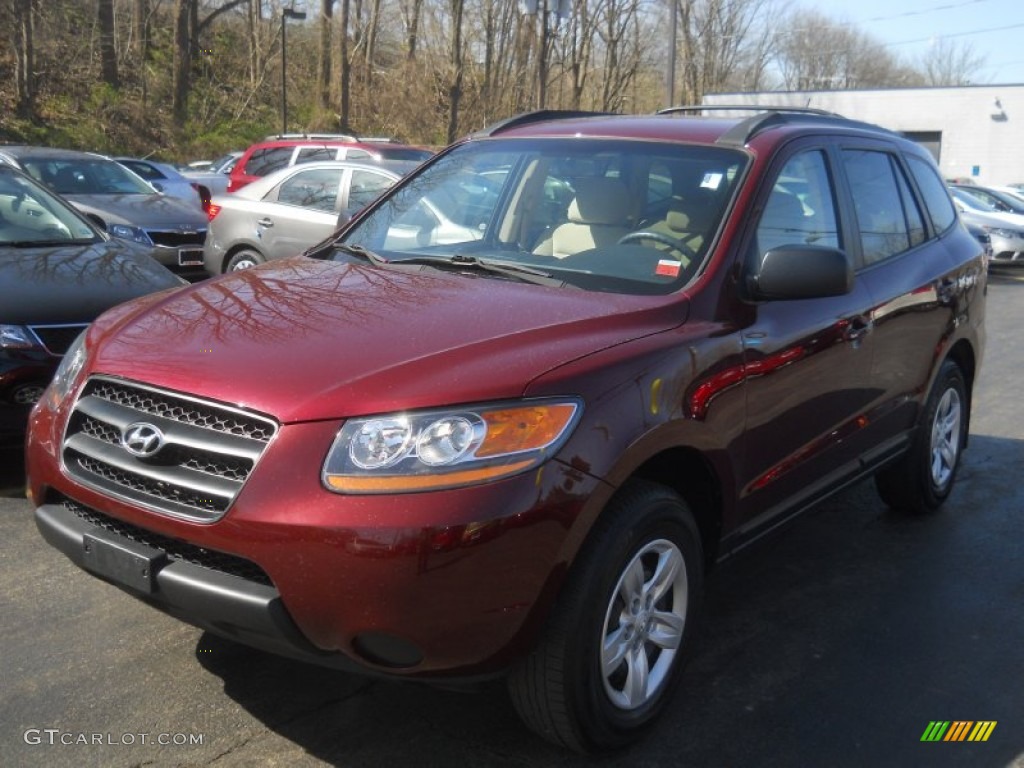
point(616, 641)
point(244, 259)
point(920, 481)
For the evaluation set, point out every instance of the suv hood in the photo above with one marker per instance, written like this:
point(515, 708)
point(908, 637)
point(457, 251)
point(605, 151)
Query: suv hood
point(303, 340)
point(146, 211)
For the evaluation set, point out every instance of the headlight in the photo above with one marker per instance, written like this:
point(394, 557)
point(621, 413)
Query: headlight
point(67, 373)
point(125, 232)
point(17, 337)
point(431, 450)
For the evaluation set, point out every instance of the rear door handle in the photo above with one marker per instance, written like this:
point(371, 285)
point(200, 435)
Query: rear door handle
point(265, 222)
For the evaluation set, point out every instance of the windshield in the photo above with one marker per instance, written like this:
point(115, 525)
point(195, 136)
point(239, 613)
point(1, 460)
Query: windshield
point(86, 176)
point(30, 215)
point(618, 216)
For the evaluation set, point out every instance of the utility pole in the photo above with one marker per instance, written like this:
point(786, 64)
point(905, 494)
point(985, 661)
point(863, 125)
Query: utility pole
point(286, 13)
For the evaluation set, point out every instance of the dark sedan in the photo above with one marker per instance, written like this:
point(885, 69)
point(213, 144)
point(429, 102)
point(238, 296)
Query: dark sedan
point(57, 274)
point(120, 202)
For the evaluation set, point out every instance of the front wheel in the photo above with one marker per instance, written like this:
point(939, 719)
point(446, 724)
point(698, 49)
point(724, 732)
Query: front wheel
point(923, 478)
point(616, 641)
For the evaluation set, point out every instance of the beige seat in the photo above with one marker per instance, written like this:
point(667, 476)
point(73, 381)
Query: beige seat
point(687, 221)
point(598, 216)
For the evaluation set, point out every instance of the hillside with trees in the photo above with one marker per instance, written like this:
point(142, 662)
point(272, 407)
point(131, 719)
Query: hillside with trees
point(189, 78)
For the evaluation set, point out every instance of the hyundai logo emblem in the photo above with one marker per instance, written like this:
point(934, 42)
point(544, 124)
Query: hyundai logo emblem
point(142, 439)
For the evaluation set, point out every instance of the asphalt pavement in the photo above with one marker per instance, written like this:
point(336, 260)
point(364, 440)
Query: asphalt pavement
point(835, 643)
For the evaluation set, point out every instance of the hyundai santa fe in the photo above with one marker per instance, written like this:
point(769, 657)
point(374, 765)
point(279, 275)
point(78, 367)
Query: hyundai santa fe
point(518, 454)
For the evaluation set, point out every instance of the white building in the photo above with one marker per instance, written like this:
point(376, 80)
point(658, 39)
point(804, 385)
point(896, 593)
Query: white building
point(975, 131)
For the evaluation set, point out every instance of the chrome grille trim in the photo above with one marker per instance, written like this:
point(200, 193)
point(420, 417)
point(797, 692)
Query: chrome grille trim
point(209, 449)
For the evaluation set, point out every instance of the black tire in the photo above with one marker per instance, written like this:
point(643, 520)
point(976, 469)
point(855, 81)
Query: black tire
point(924, 477)
point(244, 259)
point(565, 690)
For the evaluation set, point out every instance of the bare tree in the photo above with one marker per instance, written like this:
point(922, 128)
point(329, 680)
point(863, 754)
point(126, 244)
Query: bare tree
point(816, 53)
point(947, 63)
point(720, 42)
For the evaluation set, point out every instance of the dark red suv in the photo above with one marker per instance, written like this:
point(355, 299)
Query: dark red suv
point(518, 451)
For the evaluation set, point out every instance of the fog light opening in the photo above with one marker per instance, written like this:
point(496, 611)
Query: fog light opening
point(386, 650)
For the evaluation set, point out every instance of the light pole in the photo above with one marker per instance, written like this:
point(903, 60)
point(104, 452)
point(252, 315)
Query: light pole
point(286, 13)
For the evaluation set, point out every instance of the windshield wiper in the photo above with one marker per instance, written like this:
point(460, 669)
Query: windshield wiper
point(458, 261)
point(505, 269)
point(359, 251)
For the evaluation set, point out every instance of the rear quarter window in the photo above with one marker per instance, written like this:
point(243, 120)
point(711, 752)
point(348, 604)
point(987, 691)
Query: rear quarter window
point(936, 199)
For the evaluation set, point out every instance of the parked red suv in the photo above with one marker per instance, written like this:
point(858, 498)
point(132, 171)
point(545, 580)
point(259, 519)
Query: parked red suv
point(518, 451)
point(281, 151)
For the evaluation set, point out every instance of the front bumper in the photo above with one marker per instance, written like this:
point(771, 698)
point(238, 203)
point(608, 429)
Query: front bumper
point(451, 584)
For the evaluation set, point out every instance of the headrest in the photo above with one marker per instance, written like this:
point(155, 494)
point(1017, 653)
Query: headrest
point(600, 201)
point(694, 214)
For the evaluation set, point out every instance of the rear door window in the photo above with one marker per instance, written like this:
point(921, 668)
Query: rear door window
point(888, 220)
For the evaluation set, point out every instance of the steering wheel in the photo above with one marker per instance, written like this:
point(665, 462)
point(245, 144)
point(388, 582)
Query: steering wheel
point(675, 245)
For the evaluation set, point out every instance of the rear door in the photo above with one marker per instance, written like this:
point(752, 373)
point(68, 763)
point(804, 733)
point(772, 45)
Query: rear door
point(907, 228)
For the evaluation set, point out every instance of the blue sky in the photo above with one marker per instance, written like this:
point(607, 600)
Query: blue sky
point(993, 28)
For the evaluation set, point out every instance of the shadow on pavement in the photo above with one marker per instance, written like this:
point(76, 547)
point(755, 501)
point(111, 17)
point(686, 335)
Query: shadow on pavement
point(835, 642)
point(12, 472)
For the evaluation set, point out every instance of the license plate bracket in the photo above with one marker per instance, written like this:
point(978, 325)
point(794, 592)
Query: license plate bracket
point(124, 562)
point(190, 257)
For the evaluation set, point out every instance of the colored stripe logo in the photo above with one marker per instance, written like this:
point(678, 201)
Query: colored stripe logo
point(958, 730)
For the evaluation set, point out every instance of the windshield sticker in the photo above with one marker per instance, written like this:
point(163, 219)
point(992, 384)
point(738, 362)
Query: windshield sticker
point(668, 267)
point(711, 180)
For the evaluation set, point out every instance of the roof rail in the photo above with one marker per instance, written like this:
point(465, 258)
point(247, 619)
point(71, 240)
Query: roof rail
point(745, 108)
point(771, 116)
point(538, 116)
point(313, 136)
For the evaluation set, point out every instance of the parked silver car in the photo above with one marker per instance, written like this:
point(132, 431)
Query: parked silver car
point(120, 202)
point(1006, 230)
point(286, 212)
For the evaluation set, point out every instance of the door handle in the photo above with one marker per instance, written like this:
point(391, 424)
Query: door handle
point(265, 222)
point(857, 329)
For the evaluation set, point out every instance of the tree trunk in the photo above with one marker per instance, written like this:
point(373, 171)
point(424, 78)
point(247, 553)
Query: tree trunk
point(140, 28)
point(344, 70)
point(108, 51)
point(324, 72)
point(26, 55)
point(455, 87)
point(371, 42)
point(255, 60)
point(182, 62)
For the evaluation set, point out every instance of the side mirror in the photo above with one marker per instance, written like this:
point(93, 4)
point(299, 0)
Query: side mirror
point(97, 221)
point(157, 186)
point(800, 272)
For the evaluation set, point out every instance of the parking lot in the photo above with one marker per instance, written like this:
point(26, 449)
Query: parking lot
point(835, 643)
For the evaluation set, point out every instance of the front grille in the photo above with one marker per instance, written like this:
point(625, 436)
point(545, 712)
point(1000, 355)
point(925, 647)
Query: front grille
point(57, 338)
point(171, 239)
point(175, 549)
point(204, 451)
